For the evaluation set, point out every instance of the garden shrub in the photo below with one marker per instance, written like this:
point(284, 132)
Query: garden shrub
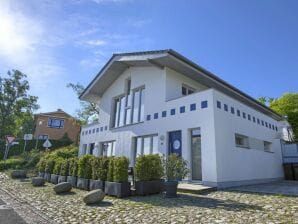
point(85, 167)
point(120, 170)
point(148, 167)
point(57, 166)
point(67, 152)
point(73, 166)
point(110, 174)
point(12, 163)
point(50, 163)
point(41, 165)
point(100, 168)
point(175, 167)
point(64, 171)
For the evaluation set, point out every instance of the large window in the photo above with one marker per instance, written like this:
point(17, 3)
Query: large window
point(108, 148)
point(187, 90)
point(241, 141)
point(129, 108)
point(55, 123)
point(146, 145)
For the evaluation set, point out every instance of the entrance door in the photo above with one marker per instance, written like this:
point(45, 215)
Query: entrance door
point(196, 154)
point(175, 144)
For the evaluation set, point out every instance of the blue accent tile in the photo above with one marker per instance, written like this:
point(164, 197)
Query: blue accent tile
point(93, 131)
point(97, 129)
point(258, 121)
point(164, 113)
point(232, 110)
point(182, 109)
point(254, 119)
point(89, 131)
point(155, 115)
point(244, 115)
point(270, 126)
point(276, 128)
point(266, 124)
point(238, 113)
point(106, 127)
point(148, 117)
point(226, 107)
point(262, 123)
point(218, 103)
point(249, 117)
point(193, 107)
point(204, 104)
point(173, 111)
point(101, 128)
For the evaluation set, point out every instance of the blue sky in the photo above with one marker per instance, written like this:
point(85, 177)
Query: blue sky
point(251, 44)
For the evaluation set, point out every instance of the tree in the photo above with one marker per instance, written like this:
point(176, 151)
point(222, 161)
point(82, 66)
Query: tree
point(89, 111)
point(287, 105)
point(265, 100)
point(16, 105)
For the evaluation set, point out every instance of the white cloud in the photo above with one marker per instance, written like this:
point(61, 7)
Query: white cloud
point(110, 1)
point(98, 42)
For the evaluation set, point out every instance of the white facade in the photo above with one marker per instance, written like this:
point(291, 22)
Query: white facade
point(222, 163)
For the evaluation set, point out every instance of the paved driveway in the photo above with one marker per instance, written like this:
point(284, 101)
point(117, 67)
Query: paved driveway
point(279, 187)
point(8, 215)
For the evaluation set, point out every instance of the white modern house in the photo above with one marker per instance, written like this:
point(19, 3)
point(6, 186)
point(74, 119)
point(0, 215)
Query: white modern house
point(161, 102)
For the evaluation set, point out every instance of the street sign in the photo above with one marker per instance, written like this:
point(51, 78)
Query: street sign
point(28, 137)
point(47, 144)
point(15, 143)
point(9, 139)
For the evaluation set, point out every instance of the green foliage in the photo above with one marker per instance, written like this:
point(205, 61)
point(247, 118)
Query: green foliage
point(58, 165)
point(175, 167)
point(73, 166)
point(148, 167)
point(100, 168)
point(110, 174)
point(64, 171)
point(120, 170)
point(41, 165)
point(50, 163)
point(84, 166)
point(16, 105)
point(31, 158)
point(88, 111)
point(12, 163)
point(67, 152)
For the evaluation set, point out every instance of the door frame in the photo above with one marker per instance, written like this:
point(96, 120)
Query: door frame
point(191, 155)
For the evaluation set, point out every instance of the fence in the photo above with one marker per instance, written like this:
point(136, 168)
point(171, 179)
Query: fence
point(290, 153)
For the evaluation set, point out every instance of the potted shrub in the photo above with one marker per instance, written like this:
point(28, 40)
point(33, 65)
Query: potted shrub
point(175, 169)
point(41, 166)
point(73, 171)
point(64, 171)
point(56, 170)
point(84, 171)
point(148, 171)
point(99, 172)
point(49, 166)
point(117, 183)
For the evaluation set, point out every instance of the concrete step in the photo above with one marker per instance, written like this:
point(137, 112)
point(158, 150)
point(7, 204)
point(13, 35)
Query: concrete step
point(195, 188)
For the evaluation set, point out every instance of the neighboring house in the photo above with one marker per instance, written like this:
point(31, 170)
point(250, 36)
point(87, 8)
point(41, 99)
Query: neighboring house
point(55, 125)
point(161, 102)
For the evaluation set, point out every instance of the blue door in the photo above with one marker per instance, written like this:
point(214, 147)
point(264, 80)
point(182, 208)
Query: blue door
point(175, 143)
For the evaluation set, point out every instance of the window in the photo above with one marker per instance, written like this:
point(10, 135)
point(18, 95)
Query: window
point(258, 121)
point(241, 141)
point(193, 107)
point(204, 104)
point(55, 123)
point(97, 130)
point(84, 149)
point(218, 103)
point(182, 109)
point(148, 117)
point(186, 90)
point(92, 145)
point(262, 123)
point(156, 116)
point(249, 117)
point(145, 145)
point(108, 148)
point(238, 113)
point(43, 137)
point(232, 110)
point(267, 146)
point(254, 119)
point(226, 107)
point(173, 111)
point(129, 108)
point(164, 113)
point(244, 115)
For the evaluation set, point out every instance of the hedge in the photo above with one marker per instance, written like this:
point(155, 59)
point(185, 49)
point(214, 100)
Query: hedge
point(110, 174)
point(41, 165)
point(100, 168)
point(148, 167)
point(12, 163)
point(73, 167)
point(120, 170)
point(64, 170)
point(85, 167)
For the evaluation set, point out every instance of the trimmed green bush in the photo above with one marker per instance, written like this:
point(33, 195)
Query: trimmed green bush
point(58, 165)
point(100, 168)
point(120, 171)
point(148, 167)
point(64, 171)
point(12, 163)
point(73, 166)
point(110, 174)
point(85, 167)
point(50, 163)
point(175, 167)
point(67, 152)
point(41, 165)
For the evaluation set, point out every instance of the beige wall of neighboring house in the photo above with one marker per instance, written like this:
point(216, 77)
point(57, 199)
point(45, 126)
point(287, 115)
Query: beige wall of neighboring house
point(54, 125)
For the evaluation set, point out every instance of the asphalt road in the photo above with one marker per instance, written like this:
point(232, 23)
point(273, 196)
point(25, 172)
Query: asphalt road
point(8, 215)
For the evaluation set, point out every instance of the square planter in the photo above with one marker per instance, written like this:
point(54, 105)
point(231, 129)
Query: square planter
point(47, 177)
point(148, 187)
point(54, 178)
point(40, 174)
point(83, 183)
point(119, 190)
point(61, 179)
point(96, 184)
point(72, 180)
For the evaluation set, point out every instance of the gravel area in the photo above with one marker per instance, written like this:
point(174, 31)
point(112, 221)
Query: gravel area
point(215, 207)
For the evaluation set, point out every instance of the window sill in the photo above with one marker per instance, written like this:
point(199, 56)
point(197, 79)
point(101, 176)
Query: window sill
point(242, 147)
point(125, 126)
point(268, 151)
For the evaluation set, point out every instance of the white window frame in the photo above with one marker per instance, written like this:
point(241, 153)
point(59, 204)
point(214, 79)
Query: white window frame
point(142, 144)
point(188, 88)
point(244, 139)
point(43, 136)
point(104, 150)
